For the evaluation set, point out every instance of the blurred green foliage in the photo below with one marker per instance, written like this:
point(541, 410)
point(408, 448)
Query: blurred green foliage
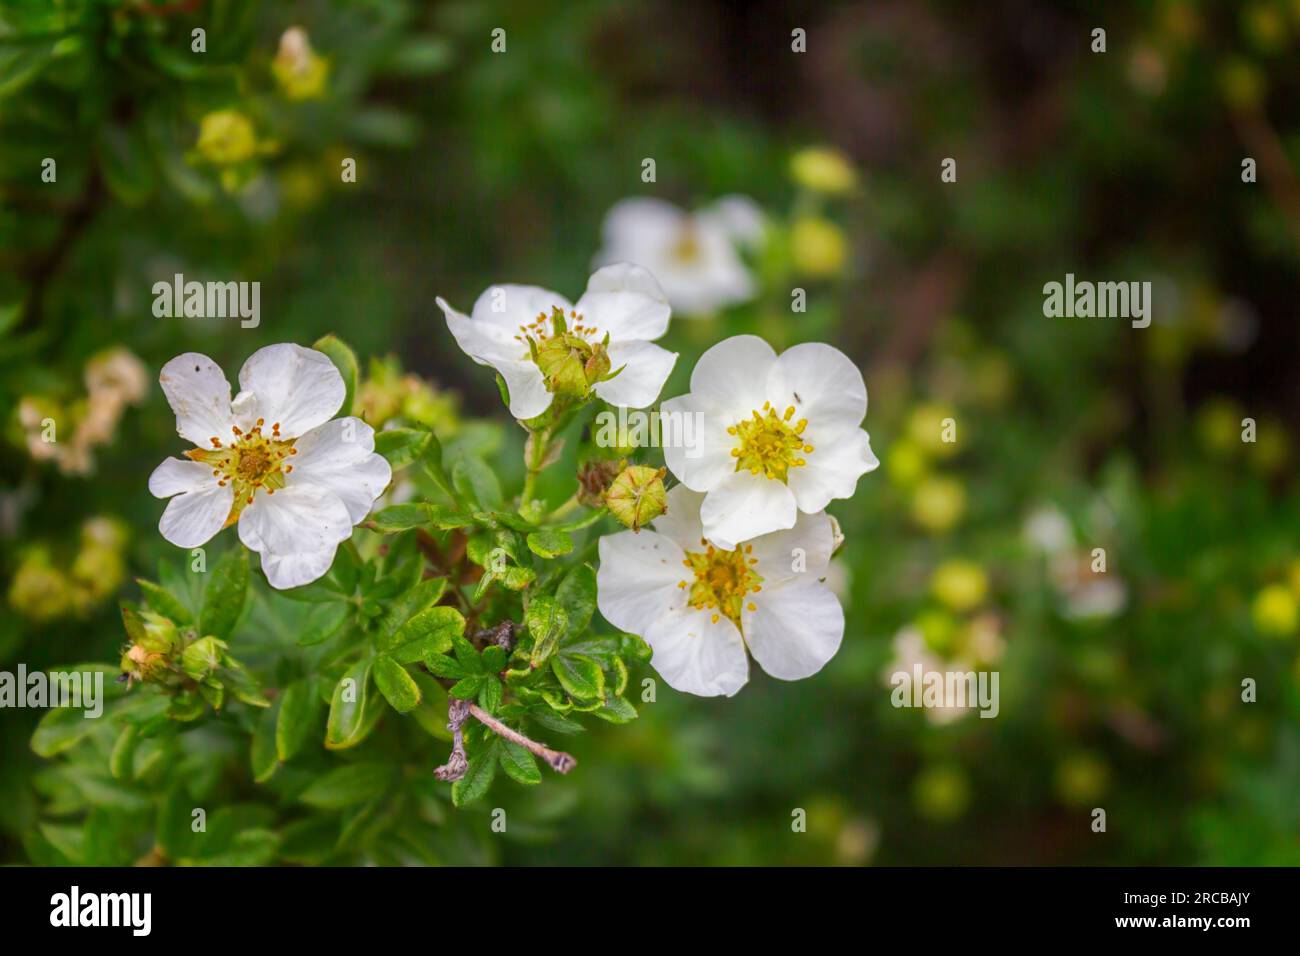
point(1121, 690)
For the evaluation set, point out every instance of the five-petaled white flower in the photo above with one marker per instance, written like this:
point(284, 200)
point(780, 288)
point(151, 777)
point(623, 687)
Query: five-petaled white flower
point(699, 606)
point(542, 345)
point(779, 435)
point(693, 255)
point(272, 460)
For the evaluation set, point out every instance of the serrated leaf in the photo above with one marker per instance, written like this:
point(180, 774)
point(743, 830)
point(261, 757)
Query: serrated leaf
point(396, 684)
point(549, 543)
point(223, 598)
point(467, 655)
point(580, 676)
point(519, 764)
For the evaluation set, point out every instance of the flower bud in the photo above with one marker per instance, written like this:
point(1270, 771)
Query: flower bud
point(299, 70)
point(152, 657)
point(569, 363)
point(202, 657)
point(818, 247)
point(39, 591)
point(637, 496)
point(594, 478)
point(822, 170)
point(226, 137)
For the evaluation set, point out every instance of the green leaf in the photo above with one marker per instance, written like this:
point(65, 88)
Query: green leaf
point(431, 712)
point(479, 776)
point(467, 688)
point(494, 658)
point(550, 543)
point(322, 622)
point(223, 598)
point(489, 694)
point(60, 729)
point(161, 600)
point(350, 721)
point(121, 763)
point(519, 764)
point(348, 785)
point(429, 632)
point(401, 446)
point(425, 594)
point(547, 622)
point(418, 514)
point(262, 753)
point(577, 596)
point(345, 360)
point(477, 482)
point(440, 665)
point(300, 708)
point(467, 655)
point(580, 676)
point(396, 684)
point(617, 711)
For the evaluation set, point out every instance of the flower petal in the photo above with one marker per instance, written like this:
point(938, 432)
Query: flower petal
point(507, 305)
point(639, 224)
point(823, 385)
point(176, 475)
point(680, 523)
point(484, 342)
point(625, 315)
point(296, 531)
point(339, 457)
point(199, 394)
point(799, 553)
point(732, 375)
point(833, 469)
point(528, 394)
point(626, 277)
point(796, 629)
point(645, 368)
point(696, 446)
point(193, 517)
point(746, 506)
point(295, 387)
point(637, 579)
point(697, 655)
point(740, 217)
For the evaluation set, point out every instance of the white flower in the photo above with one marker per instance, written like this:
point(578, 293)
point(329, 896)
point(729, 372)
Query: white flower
point(694, 256)
point(778, 435)
point(620, 314)
point(272, 460)
point(699, 607)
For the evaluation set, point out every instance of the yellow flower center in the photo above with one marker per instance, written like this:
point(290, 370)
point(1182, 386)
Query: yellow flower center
point(722, 579)
point(768, 444)
point(686, 249)
point(251, 461)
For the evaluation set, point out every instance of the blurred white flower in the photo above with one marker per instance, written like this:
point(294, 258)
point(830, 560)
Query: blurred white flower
point(779, 435)
point(541, 344)
point(909, 651)
point(699, 607)
point(271, 460)
point(693, 255)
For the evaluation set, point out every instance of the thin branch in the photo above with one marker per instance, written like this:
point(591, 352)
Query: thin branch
point(557, 760)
